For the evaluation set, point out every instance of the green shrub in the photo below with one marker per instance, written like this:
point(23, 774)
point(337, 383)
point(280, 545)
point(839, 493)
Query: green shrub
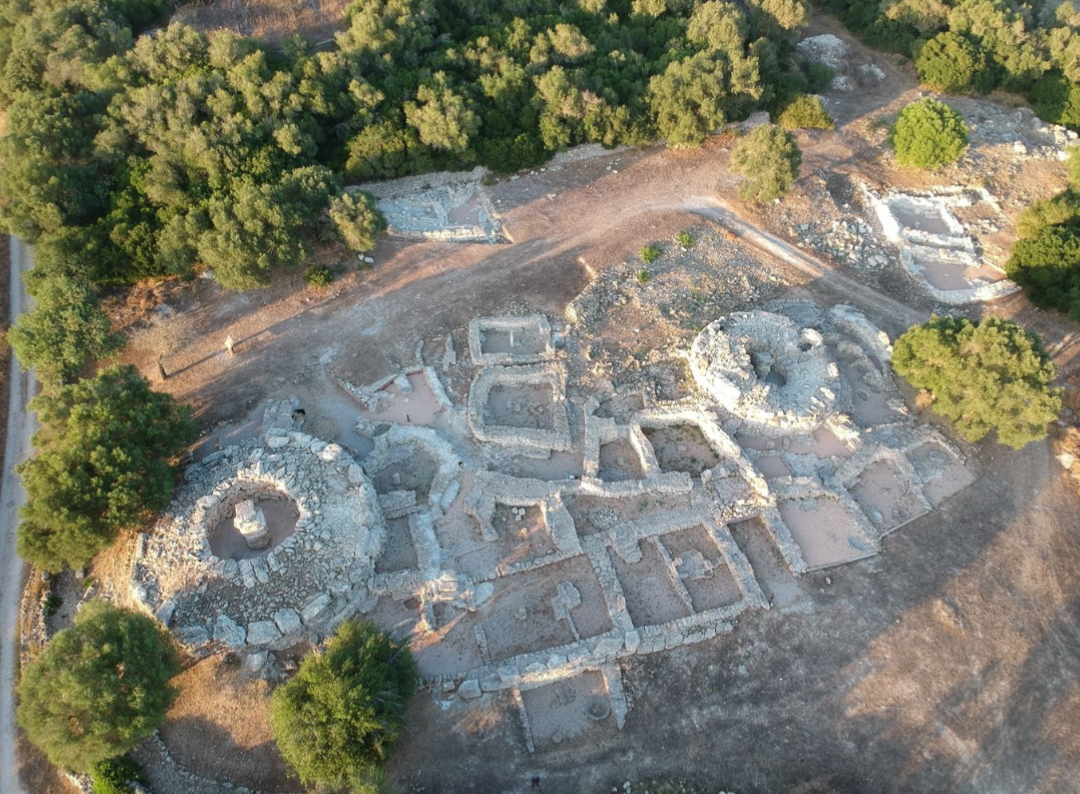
point(642, 276)
point(1056, 99)
point(53, 602)
point(106, 456)
point(929, 134)
point(769, 158)
point(358, 221)
point(819, 77)
point(318, 276)
point(953, 63)
point(685, 239)
point(1072, 164)
point(806, 112)
point(993, 375)
point(1054, 211)
point(650, 254)
point(115, 775)
point(1048, 268)
point(99, 687)
point(336, 720)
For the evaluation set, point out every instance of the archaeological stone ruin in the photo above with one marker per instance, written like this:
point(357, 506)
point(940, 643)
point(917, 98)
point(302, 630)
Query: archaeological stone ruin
point(527, 537)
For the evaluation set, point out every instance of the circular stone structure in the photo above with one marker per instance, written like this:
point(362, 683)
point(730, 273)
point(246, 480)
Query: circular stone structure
point(273, 512)
point(764, 369)
point(304, 579)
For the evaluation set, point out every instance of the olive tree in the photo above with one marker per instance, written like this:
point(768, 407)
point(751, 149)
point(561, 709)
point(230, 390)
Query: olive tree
point(769, 158)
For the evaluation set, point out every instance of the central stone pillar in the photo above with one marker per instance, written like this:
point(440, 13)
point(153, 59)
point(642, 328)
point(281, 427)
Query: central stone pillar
point(251, 523)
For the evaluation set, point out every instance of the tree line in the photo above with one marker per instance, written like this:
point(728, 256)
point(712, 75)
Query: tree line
point(134, 152)
point(975, 46)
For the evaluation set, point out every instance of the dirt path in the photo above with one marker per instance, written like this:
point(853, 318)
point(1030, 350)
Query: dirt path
point(20, 428)
point(867, 298)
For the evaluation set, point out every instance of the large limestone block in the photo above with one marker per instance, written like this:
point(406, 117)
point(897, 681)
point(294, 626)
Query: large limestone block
point(251, 523)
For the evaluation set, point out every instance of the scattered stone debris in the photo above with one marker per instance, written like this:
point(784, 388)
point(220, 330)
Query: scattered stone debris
point(835, 53)
point(447, 206)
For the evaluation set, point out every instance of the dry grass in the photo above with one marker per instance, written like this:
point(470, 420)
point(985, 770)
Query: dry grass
point(36, 774)
point(220, 728)
point(270, 20)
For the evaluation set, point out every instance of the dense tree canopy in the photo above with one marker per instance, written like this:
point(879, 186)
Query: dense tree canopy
point(359, 222)
point(966, 46)
point(951, 62)
point(769, 158)
point(929, 134)
point(133, 154)
point(337, 718)
point(99, 687)
point(993, 375)
point(1047, 266)
point(106, 452)
point(65, 330)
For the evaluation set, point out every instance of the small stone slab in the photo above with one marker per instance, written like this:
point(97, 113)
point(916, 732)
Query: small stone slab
point(287, 620)
point(262, 632)
point(228, 632)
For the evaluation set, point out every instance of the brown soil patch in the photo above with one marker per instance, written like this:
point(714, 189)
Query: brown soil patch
point(36, 774)
point(219, 727)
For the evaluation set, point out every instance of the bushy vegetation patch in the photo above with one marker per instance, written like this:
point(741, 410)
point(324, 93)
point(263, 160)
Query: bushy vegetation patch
point(770, 159)
point(98, 689)
point(953, 63)
point(929, 134)
point(131, 154)
point(115, 775)
point(806, 112)
point(107, 449)
point(64, 331)
point(318, 276)
point(336, 720)
point(992, 375)
point(975, 46)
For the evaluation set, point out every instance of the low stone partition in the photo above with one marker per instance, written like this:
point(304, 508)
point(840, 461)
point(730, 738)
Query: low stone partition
point(449, 465)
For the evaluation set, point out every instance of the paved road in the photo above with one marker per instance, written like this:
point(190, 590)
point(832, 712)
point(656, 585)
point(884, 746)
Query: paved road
point(20, 428)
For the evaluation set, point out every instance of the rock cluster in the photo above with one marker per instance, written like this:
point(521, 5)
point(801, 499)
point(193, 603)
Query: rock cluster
point(759, 366)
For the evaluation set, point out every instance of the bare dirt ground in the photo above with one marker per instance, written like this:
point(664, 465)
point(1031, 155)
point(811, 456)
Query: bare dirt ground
point(948, 663)
point(221, 705)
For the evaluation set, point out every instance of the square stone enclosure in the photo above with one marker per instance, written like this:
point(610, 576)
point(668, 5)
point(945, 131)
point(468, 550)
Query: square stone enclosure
point(510, 340)
point(504, 401)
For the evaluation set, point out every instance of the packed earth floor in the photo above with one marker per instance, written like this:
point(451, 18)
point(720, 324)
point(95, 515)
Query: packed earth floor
point(456, 376)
